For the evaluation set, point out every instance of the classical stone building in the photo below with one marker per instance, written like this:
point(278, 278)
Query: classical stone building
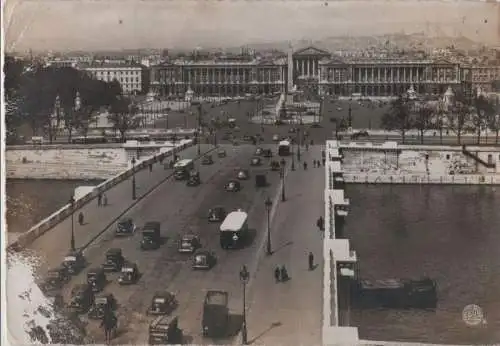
point(313, 71)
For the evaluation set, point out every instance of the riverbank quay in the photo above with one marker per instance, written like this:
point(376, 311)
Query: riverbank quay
point(392, 163)
point(140, 172)
point(80, 161)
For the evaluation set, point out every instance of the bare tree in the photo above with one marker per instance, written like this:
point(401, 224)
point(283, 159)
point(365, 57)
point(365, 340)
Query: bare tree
point(85, 116)
point(423, 120)
point(398, 117)
point(457, 118)
point(483, 108)
point(439, 121)
point(122, 115)
point(70, 117)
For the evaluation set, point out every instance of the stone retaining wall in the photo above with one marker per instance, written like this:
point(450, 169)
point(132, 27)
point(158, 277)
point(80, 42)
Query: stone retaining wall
point(38, 230)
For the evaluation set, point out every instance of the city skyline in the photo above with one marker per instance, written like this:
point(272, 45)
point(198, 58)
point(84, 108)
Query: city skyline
point(85, 25)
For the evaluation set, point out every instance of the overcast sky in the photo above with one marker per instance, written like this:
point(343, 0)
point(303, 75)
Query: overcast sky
point(115, 24)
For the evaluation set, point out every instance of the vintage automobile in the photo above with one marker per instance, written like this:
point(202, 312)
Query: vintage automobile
point(164, 330)
point(74, 262)
point(129, 274)
point(162, 303)
point(256, 161)
point(233, 186)
point(276, 138)
point(193, 179)
point(113, 260)
point(275, 165)
point(215, 319)
point(207, 160)
point(189, 243)
point(96, 278)
point(204, 260)
point(267, 153)
point(151, 238)
point(216, 214)
point(81, 298)
point(243, 174)
point(221, 153)
point(125, 227)
point(258, 152)
point(260, 180)
point(55, 280)
point(102, 303)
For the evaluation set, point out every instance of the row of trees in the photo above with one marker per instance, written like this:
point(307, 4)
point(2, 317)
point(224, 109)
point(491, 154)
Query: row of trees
point(466, 114)
point(36, 95)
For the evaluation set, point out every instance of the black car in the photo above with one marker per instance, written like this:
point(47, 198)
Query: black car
point(207, 160)
point(256, 161)
point(258, 152)
point(102, 303)
point(194, 179)
point(81, 298)
point(74, 262)
point(216, 214)
point(204, 260)
point(267, 153)
point(243, 174)
point(114, 260)
point(125, 227)
point(151, 237)
point(233, 186)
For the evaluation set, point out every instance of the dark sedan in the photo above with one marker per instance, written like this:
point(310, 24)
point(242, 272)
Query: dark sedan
point(125, 227)
point(216, 214)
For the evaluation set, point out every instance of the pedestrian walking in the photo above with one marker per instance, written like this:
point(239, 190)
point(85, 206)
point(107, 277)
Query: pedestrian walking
point(310, 260)
point(80, 218)
point(305, 166)
point(277, 274)
point(104, 199)
point(320, 223)
point(99, 199)
point(324, 160)
point(284, 274)
point(150, 167)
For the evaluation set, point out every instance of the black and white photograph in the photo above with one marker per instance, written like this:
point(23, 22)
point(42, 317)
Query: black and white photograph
point(237, 172)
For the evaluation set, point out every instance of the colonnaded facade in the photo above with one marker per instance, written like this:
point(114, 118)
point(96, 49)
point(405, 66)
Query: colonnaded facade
point(312, 70)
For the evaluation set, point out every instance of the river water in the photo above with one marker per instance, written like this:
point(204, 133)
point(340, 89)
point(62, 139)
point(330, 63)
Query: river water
point(29, 201)
point(449, 233)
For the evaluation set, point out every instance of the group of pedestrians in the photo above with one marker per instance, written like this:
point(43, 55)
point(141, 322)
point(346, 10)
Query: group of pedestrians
point(102, 200)
point(281, 274)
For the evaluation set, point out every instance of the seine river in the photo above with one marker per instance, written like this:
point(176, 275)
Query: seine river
point(449, 233)
point(30, 201)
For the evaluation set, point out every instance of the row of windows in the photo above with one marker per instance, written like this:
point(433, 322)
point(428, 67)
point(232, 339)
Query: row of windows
point(131, 73)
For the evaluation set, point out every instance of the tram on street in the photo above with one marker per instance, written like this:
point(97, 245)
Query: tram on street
point(284, 148)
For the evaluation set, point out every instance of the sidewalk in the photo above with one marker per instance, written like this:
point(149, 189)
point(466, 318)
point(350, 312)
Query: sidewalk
point(291, 313)
point(54, 244)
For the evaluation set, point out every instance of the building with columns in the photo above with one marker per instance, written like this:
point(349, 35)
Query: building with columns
point(315, 72)
point(219, 77)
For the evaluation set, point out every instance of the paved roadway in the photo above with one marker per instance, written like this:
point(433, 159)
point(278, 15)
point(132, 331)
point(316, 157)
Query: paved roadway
point(291, 313)
point(180, 209)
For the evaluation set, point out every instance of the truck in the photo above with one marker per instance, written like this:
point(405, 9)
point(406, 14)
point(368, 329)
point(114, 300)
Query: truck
point(215, 318)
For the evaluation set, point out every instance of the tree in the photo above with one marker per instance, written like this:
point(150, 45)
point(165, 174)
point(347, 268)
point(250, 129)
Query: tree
point(70, 121)
point(423, 120)
point(85, 116)
point(398, 117)
point(439, 120)
point(483, 109)
point(122, 115)
point(457, 118)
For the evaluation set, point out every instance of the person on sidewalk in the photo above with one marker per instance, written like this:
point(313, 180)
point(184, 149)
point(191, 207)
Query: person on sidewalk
point(305, 166)
point(320, 223)
point(310, 259)
point(277, 274)
point(284, 274)
point(99, 199)
point(150, 167)
point(80, 218)
point(104, 200)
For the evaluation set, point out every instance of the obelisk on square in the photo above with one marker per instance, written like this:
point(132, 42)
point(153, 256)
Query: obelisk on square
point(290, 68)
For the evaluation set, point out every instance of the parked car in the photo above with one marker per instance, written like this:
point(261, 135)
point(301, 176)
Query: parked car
point(216, 214)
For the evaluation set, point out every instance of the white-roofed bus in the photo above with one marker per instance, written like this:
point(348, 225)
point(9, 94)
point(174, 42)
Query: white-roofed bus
point(284, 148)
point(234, 230)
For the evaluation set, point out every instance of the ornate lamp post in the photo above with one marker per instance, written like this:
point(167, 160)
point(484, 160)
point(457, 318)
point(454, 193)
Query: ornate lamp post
point(269, 204)
point(72, 240)
point(133, 179)
point(244, 277)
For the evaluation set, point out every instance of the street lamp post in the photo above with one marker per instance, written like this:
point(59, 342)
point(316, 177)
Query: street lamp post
point(244, 277)
point(293, 157)
point(133, 179)
point(269, 204)
point(72, 240)
point(199, 128)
